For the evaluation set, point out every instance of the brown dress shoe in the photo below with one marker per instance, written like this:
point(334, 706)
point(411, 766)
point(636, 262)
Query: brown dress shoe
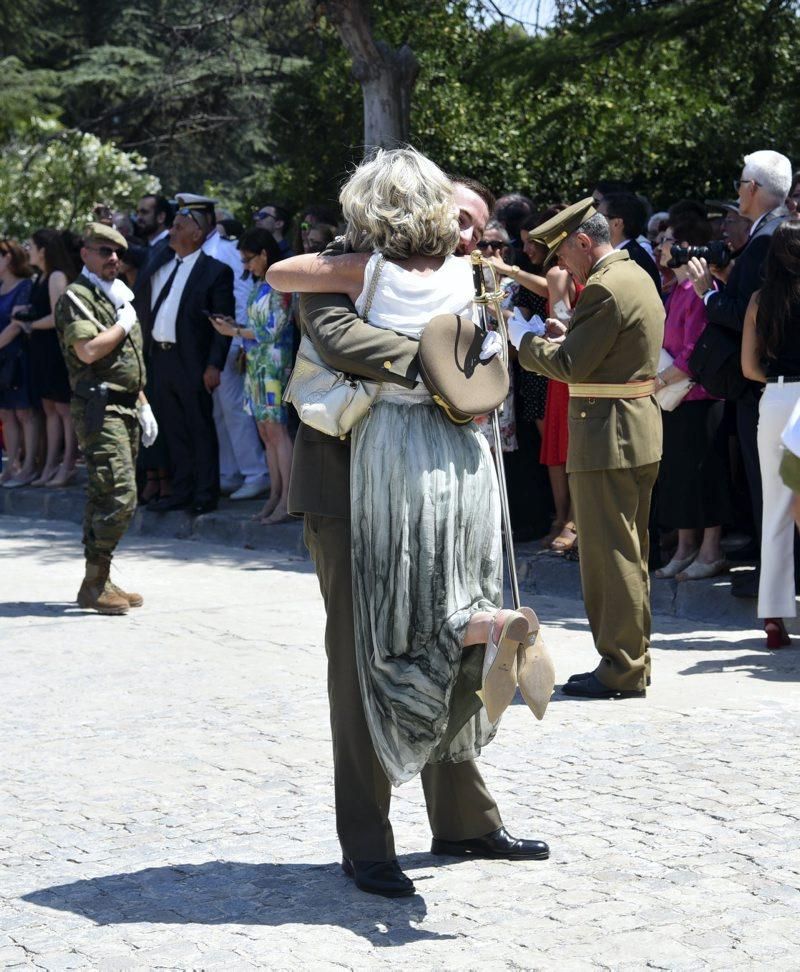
point(96, 592)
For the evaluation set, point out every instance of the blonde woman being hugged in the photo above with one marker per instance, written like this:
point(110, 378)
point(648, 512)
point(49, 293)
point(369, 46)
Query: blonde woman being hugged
point(426, 551)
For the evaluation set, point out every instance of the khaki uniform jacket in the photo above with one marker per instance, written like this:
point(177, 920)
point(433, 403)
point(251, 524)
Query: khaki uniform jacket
point(320, 478)
point(615, 336)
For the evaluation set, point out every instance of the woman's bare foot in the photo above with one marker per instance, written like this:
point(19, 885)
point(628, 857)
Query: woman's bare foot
point(566, 538)
point(45, 476)
point(555, 529)
point(279, 515)
point(267, 509)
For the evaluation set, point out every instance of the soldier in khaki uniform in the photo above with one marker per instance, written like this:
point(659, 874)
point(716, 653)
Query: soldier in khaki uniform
point(102, 344)
point(609, 358)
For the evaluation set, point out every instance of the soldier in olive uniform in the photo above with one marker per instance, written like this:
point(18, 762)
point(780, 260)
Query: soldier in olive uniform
point(102, 344)
point(609, 358)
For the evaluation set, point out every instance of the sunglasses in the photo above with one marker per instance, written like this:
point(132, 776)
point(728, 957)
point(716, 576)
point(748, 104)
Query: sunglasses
point(263, 214)
point(490, 245)
point(191, 213)
point(107, 251)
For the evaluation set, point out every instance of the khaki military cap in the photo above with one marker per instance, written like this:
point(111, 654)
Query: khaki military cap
point(100, 233)
point(553, 233)
point(189, 200)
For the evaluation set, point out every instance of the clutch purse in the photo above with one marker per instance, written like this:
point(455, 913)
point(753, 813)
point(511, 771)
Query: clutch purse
point(670, 396)
point(326, 399)
point(450, 366)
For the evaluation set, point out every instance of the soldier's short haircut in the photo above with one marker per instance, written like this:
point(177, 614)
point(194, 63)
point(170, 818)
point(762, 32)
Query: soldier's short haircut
point(596, 228)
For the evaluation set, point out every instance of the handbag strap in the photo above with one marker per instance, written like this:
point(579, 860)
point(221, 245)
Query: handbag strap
point(372, 287)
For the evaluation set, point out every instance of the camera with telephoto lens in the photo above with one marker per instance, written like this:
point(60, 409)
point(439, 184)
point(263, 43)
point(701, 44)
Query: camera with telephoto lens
point(717, 254)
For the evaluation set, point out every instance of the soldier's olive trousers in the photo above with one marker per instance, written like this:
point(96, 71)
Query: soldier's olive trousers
point(458, 803)
point(110, 456)
point(612, 508)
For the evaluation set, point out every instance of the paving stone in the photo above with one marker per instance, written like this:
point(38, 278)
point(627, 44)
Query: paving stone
point(166, 802)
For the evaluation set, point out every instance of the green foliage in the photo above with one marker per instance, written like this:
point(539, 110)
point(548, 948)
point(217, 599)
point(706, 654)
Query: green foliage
point(258, 101)
point(53, 177)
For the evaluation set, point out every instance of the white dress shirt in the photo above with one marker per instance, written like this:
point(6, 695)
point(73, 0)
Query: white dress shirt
point(158, 238)
point(164, 324)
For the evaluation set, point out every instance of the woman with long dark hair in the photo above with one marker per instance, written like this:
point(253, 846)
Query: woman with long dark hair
point(51, 253)
point(771, 354)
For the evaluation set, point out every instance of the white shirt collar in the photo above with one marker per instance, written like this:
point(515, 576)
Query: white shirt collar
point(158, 238)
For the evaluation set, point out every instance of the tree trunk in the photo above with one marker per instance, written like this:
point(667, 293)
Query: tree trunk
point(386, 76)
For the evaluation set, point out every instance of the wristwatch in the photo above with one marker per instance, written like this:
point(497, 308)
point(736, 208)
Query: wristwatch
point(514, 272)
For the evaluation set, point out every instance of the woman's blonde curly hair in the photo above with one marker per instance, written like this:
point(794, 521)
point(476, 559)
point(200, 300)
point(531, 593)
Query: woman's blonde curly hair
point(400, 203)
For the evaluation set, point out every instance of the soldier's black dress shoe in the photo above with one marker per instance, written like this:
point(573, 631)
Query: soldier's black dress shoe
point(593, 688)
point(499, 844)
point(169, 503)
point(379, 877)
point(580, 677)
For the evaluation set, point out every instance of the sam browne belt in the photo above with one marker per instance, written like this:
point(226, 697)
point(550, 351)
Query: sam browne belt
point(628, 389)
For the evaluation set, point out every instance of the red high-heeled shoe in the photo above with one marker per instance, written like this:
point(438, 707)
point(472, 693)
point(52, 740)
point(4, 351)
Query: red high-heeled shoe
point(777, 635)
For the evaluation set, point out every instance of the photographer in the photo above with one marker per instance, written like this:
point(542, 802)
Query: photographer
point(693, 477)
point(762, 187)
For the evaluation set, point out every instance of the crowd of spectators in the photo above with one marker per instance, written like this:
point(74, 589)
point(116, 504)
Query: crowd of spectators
point(719, 457)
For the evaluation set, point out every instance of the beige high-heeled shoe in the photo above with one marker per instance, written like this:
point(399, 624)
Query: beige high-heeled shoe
point(500, 662)
point(536, 673)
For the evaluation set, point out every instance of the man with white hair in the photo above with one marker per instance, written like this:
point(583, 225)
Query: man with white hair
point(762, 189)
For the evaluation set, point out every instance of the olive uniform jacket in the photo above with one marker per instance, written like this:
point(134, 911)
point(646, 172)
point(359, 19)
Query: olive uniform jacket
point(320, 479)
point(615, 336)
point(122, 369)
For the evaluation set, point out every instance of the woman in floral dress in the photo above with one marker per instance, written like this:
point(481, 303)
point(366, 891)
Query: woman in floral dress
point(268, 339)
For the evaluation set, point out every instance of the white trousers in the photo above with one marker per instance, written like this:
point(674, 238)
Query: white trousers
point(240, 451)
point(776, 590)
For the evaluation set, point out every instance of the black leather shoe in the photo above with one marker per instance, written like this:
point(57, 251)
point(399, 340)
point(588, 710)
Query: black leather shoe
point(379, 877)
point(207, 506)
point(169, 503)
point(593, 688)
point(499, 844)
point(580, 677)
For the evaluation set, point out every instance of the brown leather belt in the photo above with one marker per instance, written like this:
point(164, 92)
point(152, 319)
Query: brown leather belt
point(628, 389)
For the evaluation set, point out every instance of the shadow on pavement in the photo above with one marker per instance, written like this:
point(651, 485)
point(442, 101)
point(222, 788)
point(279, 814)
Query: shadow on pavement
point(41, 609)
point(234, 892)
point(774, 666)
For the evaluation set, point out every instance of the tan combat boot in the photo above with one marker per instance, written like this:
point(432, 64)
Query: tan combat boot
point(134, 600)
point(96, 593)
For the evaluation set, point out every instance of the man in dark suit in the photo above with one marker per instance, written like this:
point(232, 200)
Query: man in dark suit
point(186, 356)
point(463, 816)
point(627, 220)
point(762, 187)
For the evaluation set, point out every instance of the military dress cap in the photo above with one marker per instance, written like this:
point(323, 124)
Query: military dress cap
point(553, 232)
point(100, 233)
point(189, 200)
point(721, 206)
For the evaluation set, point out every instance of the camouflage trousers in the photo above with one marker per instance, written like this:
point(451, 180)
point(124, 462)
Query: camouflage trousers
point(110, 456)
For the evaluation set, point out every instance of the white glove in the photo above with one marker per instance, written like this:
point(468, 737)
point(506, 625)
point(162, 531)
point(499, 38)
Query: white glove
point(126, 318)
point(148, 423)
point(492, 345)
point(518, 327)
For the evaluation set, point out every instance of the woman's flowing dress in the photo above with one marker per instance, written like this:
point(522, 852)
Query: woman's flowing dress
point(426, 548)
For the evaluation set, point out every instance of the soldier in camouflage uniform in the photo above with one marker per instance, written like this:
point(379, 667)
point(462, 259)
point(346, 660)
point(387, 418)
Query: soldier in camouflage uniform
point(102, 344)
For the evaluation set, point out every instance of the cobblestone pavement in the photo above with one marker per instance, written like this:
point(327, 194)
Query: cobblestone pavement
point(165, 796)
